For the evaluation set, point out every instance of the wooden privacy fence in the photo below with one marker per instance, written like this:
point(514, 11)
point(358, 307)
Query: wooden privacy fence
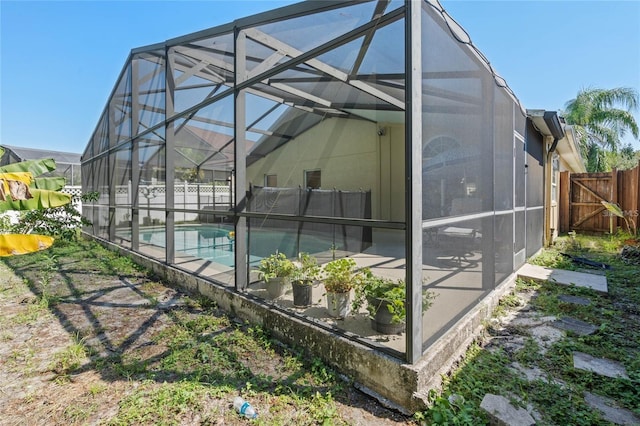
point(581, 195)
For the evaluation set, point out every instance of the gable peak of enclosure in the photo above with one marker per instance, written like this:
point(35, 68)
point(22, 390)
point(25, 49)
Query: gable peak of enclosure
point(369, 130)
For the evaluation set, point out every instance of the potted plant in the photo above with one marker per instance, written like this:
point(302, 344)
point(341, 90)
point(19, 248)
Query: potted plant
point(275, 270)
point(386, 302)
point(305, 272)
point(340, 278)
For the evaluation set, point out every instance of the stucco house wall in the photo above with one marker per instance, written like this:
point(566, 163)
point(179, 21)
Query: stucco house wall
point(351, 155)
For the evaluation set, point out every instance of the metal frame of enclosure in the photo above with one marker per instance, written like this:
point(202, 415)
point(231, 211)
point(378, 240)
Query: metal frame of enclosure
point(369, 129)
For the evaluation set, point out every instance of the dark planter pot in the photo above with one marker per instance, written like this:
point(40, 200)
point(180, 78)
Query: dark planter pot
point(382, 320)
point(302, 291)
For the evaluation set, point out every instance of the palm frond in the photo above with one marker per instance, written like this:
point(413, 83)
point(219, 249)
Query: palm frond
point(621, 96)
point(619, 120)
point(602, 117)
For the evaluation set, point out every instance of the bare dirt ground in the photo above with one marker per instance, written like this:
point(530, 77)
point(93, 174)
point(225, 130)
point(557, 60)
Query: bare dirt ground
point(85, 337)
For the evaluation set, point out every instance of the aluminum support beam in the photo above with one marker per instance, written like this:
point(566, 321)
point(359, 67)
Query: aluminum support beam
point(169, 156)
point(135, 182)
point(111, 231)
point(413, 177)
point(279, 46)
point(240, 182)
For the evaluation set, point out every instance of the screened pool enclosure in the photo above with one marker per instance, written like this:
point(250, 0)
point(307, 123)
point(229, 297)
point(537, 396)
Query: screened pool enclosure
point(373, 130)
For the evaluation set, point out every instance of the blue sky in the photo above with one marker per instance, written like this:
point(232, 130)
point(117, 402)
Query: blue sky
point(59, 60)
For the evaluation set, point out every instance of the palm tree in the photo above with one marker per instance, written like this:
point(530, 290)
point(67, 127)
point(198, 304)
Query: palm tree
point(601, 117)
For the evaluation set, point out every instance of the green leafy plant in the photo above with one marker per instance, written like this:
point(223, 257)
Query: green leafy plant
point(5, 223)
point(340, 275)
point(70, 358)
point(617, 211)
point(275, 266)
point(379, 291)
point(306, 269)
point(190, 174)
point(61, 222)
point(21, 190)
point(447, 410)
point(49, 266)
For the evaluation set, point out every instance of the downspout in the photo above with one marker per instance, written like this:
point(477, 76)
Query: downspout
point(548, 171)
point(552, 121)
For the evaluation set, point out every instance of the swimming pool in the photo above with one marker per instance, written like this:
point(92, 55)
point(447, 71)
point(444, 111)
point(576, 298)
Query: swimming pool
point(210, 242)
point(215, 243)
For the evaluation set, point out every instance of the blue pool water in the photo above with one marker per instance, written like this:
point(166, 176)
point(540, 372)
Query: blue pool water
point(213, 242)
point(210, 242)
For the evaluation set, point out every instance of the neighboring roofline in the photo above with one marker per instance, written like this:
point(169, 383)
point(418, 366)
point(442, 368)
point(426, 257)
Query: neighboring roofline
point(548, 123)
point(568, 150)
point(16, 149)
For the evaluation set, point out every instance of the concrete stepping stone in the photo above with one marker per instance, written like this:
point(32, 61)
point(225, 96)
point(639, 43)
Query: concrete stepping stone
point(564, 277)
point(535, 373)
point(576, 300)
point(592, 271)
point(601, 366)
point(576, 326)
point(526, 321)
point(610, 410)
point(530, 374)
point(545, 336)
point(531, 320)
point(580, 279)
point(502, 413)
point(508, 344)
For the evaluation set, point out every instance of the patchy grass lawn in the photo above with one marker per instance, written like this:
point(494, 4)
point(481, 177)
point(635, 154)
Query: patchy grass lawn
point(89, 338)
point(557, 396)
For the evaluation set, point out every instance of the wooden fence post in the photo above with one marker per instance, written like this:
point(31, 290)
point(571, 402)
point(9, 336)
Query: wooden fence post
point(614, 197)
point(634, 192)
